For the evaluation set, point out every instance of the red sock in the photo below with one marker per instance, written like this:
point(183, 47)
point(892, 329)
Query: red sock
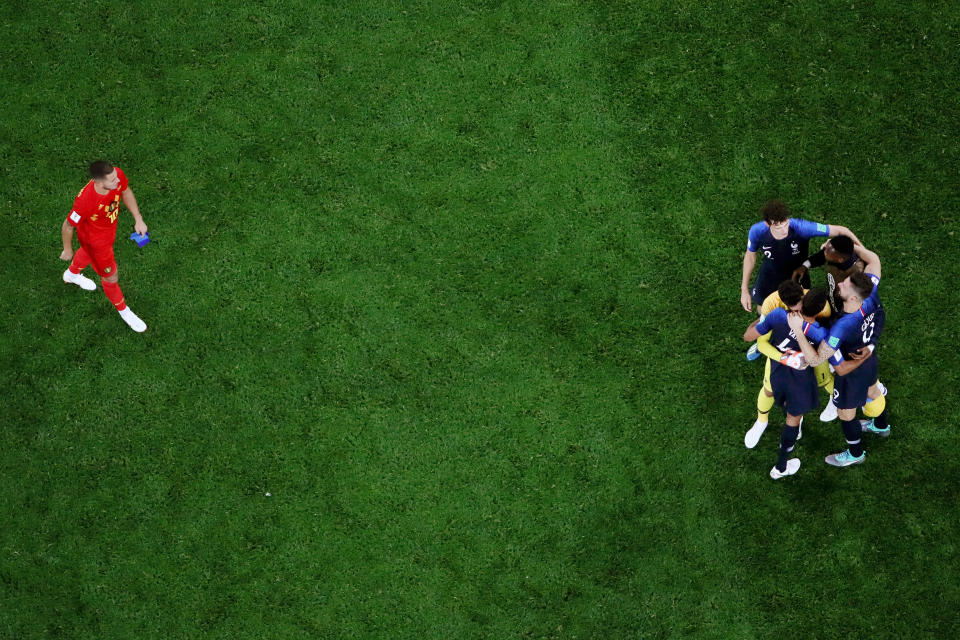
point(80, 260)
point(112, 289)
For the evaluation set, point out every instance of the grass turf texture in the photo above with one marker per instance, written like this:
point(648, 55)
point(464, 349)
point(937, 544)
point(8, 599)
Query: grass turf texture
point(424, 273)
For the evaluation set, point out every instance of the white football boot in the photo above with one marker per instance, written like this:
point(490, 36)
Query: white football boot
point(80, 280)
point(131, 319)
point(793, 465)
point(753, 436)
point(829, 412)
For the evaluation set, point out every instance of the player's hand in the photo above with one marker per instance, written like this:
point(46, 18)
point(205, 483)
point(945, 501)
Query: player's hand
point(795, 322)
point(140, 227)
point(799, 272)
point(793, 359)
point(860, 354)
point(66, 254)
point(745, 300)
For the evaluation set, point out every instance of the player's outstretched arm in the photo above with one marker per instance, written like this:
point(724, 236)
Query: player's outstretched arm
point(840, 230)
point(749, 261)
point(131, 201)
point(765, 347)
point(872, 260)
point(66, 233)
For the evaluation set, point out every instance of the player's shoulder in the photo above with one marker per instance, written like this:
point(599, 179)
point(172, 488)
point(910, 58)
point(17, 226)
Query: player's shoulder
point(122, 177)
point(758, 229)
point(817, 332)
point(841, 327)
point(777, 316)
point(809, 227)
point(85, 195)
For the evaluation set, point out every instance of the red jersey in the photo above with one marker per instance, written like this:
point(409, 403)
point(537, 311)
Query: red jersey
point(95, 215)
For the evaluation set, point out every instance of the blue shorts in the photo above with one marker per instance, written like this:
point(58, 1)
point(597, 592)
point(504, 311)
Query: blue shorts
point(795, 392)
point(850, 391)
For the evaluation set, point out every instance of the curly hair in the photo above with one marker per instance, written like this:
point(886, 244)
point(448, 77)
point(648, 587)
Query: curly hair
point(775, 211)
point(790, 292)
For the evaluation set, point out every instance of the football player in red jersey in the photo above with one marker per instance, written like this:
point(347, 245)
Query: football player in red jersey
point(94, 214)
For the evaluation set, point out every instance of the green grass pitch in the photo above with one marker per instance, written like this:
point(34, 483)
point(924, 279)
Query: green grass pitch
point(444, 323)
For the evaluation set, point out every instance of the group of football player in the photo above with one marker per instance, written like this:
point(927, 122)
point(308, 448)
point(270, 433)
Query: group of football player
point(812, 338)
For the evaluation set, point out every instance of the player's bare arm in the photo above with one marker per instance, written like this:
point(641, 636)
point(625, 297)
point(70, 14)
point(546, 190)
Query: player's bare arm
point(751, 333)
point(66, 232)
point(847, 366)
point(813, 358)
point(840, 230)
point(872, 260)
point(749, 262)
point(131, 201)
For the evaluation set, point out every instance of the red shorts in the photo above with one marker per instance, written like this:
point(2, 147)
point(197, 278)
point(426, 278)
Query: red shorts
point(101, 257)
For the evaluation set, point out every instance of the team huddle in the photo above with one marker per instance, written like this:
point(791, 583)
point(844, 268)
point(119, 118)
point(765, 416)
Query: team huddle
point(814, 337)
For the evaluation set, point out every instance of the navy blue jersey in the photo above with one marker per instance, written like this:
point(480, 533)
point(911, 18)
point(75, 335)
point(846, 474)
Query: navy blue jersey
point(794, 391)
point(857, 329)
point(783, 337)
point(781, 257)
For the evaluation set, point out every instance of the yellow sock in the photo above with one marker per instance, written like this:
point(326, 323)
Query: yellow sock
point(824, 377)
point(875, 407)
point(764, 404)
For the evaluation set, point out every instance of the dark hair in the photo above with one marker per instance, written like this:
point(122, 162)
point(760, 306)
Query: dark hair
point(100, 169)
point(775, 211)
point(842, 245)
point(790, 292)
point(862, 284)
point(813, 302)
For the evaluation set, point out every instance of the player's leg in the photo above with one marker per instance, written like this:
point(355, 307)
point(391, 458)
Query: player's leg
point(849, 393)
point(73, 273)
point(105, 265)
point(825, 381)
point(111, 288)
point(876, 412)
point(788, 440)
point(764, 404)
point(795, 391)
